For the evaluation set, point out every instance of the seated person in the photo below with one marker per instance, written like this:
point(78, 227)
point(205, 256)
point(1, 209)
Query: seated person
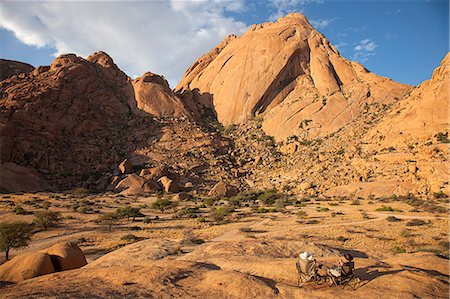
point(344, 268)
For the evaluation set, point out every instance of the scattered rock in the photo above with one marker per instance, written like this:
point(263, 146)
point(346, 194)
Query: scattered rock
point(169, 185)
point(222, 189)
point(126, 167)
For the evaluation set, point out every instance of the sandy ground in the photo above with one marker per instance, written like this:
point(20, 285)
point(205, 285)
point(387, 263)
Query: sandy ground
point(395, 256)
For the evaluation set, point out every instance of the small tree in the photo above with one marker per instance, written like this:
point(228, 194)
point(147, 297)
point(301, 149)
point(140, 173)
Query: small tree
point(14, 235)
point(47, 219)
point(162, 204)
point(129, 212)
point(108, 219)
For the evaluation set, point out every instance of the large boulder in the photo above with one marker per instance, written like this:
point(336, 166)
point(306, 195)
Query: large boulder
point(131, 181)
point(154, 173)
point(66, 256)
point(26, 266)
point(169, 185)
point(126, 167)
point(222, 189)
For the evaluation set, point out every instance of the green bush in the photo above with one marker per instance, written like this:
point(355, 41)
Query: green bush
point(265, 210)
point(219, 214)
point(268, 197)
point(20, 211)
point(129, 212)
point(398, 249)
point(341, 239)
point(47, 219)
point(162, 204)
point(245, 229)
point(442, 137)
point(388, 209)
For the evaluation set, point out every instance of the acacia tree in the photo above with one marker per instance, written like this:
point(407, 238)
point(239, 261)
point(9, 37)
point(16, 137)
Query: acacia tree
point(14, 235)
point(108, 219)
point(47, 219)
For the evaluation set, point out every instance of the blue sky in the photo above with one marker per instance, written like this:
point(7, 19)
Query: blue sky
point(402, 40)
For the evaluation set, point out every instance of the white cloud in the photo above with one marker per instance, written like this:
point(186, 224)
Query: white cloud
point(321, 23)
point(364, 49)
point(163, 37)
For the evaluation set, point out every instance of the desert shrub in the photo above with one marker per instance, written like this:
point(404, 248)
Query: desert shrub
point(129, 212)
point(268, 197)
point(109, 219)
point(162, 204)
point(312, 221)
point(135, 228)
point(209, 201)
point(147, 220)
point(302, 214)
point(219, 214)
point(188, 212)
point(47, 219)
point(265, 210)
point(398, 249)
point(322, 209)
point(405, 233)
point(250, 236)
point(20, 211)
point(356, 202)
point(245, 229)
point(442, 137)
point(393, 219)
point(14, 235)
point(282, 202)
point(333, 204)
point(415, 222)
point(201, 219)
point(388, 209)
point(341, 239)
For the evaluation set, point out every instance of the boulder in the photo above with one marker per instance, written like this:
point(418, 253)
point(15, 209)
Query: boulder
point(151, 186)
point(66, 256)
point(154, 173)
point(126, 167)
point(182, 196)
point(222, 189)
point(131, 181)
point(26, 266)
point(169, 185)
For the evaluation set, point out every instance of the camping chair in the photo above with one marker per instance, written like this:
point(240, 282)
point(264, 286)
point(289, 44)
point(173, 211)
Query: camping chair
point(307, 272)
point(346, 276)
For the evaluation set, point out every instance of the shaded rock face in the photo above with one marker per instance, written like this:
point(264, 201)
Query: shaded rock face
point(291, 74)
point(9, 68)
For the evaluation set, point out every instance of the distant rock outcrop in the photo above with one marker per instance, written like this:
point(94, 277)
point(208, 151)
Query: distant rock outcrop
point(10, 68)
point(291, 74)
